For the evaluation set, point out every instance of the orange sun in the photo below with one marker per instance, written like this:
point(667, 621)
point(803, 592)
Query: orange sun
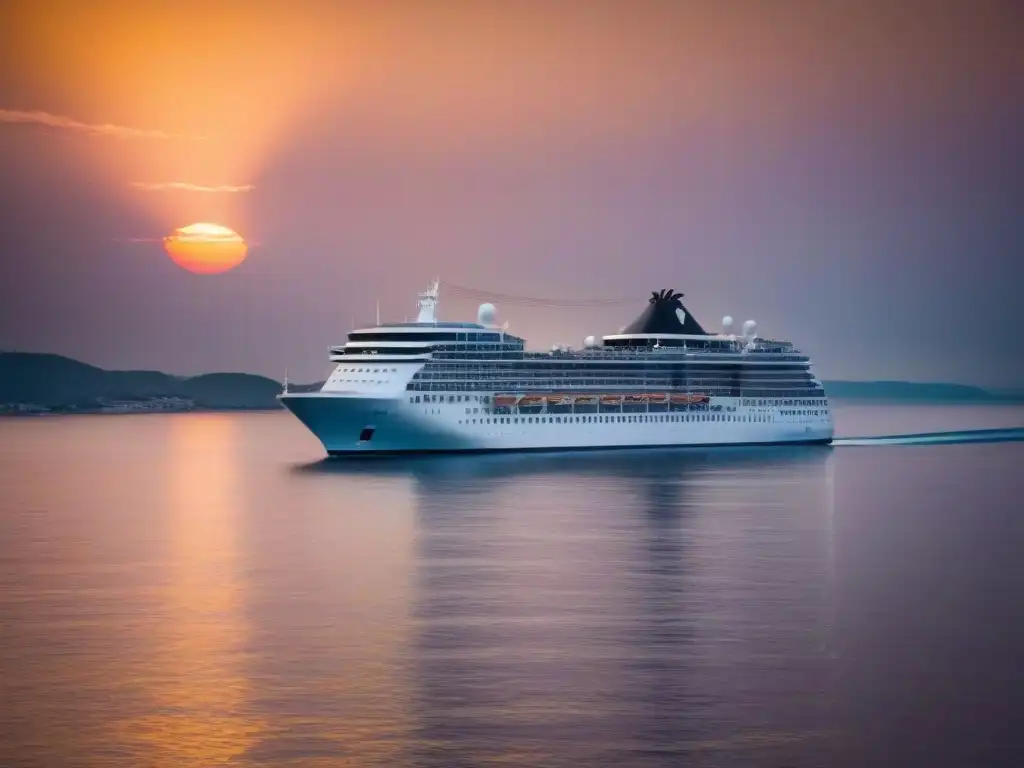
point(206, 249)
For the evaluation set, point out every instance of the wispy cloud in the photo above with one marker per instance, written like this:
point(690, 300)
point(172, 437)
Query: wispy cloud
point(94, 129)
point(184, 186)
point(144, 240)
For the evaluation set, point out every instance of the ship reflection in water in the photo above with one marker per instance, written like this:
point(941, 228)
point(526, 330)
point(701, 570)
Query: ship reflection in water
point(627, 607)
point(185, 596)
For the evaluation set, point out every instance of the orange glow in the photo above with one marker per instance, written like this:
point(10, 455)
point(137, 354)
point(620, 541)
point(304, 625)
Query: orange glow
point(200, 709)
point(206, 249)
point(215, 100)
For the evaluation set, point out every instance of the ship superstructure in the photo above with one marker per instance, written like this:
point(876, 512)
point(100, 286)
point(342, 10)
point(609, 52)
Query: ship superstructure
point(663, 380)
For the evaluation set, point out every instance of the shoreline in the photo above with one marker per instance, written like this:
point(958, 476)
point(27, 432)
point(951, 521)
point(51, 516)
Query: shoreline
point(135, 411)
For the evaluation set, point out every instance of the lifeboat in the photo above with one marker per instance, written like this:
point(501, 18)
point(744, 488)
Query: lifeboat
point(586, 400)
point(528, 401)
point(505, 401)
point(657, 399)
point(611, 400)
point(559, 400)
point(688, 399)
point(635, 399)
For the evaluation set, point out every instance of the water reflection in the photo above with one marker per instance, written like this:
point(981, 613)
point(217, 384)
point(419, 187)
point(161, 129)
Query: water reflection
point(195, 674)
point(330, 565)
point(633, 606)
point(172, 592)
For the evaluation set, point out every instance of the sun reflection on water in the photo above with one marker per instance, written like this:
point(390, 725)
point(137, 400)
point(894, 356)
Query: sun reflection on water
point(200, 694)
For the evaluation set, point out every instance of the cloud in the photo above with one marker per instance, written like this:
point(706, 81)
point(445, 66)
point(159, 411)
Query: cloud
point(184, 186)
point(101, 129)
point(145, 240)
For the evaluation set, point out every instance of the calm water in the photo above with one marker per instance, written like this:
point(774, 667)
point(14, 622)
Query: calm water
point(197, 590)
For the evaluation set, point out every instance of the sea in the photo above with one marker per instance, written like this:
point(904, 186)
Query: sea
point(205, 589)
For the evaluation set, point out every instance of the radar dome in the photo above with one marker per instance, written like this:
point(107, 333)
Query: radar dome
point(486, 314)
point(749, 328)
point(590, 342)
point(727, 323)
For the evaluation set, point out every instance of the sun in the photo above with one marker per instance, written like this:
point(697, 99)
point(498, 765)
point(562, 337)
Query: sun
point(206, 249)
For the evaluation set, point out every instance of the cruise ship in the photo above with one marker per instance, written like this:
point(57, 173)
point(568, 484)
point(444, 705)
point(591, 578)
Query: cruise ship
point(435, 386)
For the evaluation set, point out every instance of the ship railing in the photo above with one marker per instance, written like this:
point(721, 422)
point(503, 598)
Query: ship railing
point(669, 353)
point(594, 386)
point(775, 393)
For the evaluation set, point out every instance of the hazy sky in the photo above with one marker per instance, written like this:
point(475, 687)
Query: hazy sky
point(850, 175)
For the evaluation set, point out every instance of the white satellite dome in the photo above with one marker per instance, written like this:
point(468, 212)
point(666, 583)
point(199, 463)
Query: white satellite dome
point(590, 342)
point(750, 329)
point(727, 323)
point(486, 314)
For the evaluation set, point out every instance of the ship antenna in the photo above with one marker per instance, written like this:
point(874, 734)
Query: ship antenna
point(378, 311)
point(286, 380)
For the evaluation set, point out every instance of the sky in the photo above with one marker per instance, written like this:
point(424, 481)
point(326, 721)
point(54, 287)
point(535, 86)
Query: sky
point(848, 174)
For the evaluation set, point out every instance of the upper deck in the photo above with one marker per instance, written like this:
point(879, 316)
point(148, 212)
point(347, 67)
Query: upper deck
point(664, 350)
point(664, 333)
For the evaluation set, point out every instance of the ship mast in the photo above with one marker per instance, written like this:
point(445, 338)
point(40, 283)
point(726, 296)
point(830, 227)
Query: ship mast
point(428, 303)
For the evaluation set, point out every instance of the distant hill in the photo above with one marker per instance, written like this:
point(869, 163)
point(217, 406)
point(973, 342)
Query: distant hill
point(913, 391)
point(31, 381)
point(42, 382)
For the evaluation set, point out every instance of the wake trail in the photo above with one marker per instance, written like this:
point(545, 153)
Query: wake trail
point(1006, 435)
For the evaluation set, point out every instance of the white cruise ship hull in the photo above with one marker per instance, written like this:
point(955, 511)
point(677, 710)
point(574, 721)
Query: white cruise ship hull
point(356, 424)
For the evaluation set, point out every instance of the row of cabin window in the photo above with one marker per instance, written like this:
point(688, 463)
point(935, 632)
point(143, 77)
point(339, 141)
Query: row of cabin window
point(346, 375)
point(763, 395)
point(451, 399)
point(629, 418)
point(489, 353)
point(452, 337)
point(719, 367)
point(496, 380)
point(766, 402)
point(646, 353)
point(790, 389)
point(468, 350)
point(432, 374)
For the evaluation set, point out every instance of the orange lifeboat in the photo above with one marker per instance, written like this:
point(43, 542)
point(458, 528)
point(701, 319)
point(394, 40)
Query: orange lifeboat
point(657, 399)
point(686, 399)
point(635, 399)
point(531, 401)
point(559, 400)
point(611, 400)
point(586, 400)
point(505, 401)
